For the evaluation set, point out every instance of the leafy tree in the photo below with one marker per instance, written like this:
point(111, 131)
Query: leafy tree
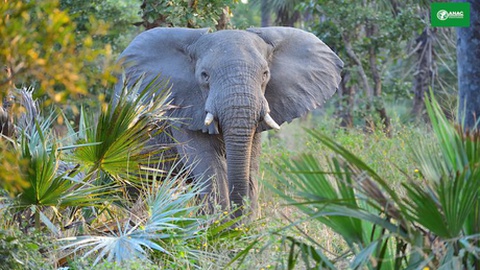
point(246, 15)
point(119, 16)
point(369, 36)
point(185, 13)
point(39, 45)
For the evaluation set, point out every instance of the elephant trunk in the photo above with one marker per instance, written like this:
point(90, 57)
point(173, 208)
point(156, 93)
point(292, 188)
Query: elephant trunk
point(238, 124)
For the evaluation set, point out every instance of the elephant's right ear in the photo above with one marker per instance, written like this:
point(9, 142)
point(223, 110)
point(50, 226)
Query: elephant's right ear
point(164, 52)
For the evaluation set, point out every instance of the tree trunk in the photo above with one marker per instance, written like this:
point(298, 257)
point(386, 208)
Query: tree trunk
point(468, 59)
point(224, 19)
point(286, 18)
point(347, 93)
point(423, 77)
point(364, 79)
point(378, 104)
point(266, 16)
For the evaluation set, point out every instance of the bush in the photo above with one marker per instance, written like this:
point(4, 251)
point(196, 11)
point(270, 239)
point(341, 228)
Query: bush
point(430, 221)
point(23, 251)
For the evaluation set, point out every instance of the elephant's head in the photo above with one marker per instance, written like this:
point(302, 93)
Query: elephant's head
point(236, 83)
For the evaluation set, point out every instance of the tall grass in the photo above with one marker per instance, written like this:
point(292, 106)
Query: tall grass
point(427, 218)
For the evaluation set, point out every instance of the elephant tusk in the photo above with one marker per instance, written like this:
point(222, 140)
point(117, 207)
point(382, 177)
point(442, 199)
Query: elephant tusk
point(208, 119)
point(270, 122)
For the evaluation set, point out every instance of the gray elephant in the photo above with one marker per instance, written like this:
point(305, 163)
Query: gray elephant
point(227, 87)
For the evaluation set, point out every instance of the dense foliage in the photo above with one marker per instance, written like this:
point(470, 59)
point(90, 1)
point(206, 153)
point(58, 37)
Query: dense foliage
point(430, 221)
point(184, 13)
point(49, 56)
point(96, 189)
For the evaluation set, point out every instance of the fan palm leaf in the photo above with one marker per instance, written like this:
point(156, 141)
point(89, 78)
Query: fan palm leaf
point(47, 187)
point(118, 141)
point(170, 217)
point(435, 220)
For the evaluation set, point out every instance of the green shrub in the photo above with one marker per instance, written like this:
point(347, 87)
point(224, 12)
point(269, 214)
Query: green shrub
point(23, 251)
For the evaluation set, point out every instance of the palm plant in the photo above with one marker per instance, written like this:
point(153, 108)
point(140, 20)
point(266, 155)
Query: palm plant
point(434, 222)
point(34, 158)
point(118, 143)
point(11, 160)
point(167, 213)
point(50, 188)
point(287, 11)
point(164, 221)
point(163, 218)
point(58, 182)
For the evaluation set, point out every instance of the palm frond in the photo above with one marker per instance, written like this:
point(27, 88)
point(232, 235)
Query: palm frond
point(118, 141)
point(170, 215)
point(380, 224)
point(48, 187)
point(48, 184)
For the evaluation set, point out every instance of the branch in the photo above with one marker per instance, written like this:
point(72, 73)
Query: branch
point(358, 62)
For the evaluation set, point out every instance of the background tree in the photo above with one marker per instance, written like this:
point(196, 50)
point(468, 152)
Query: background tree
point(117, 16)
point(266, 16)
point(114, 29)
point(424, 73)
point(245, 15)
point(185, 13)
point(392, 55)
point(369, 35)
point(286, 12)
point(468, 57)
point(50, 55)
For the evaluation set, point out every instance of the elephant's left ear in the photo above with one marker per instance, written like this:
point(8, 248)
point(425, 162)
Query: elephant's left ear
point(304, 72)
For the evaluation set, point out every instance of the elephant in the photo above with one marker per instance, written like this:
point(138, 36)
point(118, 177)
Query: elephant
point(227, 87)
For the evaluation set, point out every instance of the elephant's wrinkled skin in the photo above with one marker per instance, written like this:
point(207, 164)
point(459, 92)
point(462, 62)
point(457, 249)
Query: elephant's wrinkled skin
point(228, 86)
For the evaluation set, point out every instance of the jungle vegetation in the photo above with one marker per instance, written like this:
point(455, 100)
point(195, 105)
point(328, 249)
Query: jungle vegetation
point(383, 177)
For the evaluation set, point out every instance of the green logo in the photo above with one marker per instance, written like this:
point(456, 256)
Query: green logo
point(450, 14)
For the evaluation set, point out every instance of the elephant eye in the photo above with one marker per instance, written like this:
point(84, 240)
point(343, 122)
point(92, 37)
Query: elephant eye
point(265, 76)
point(204, 76)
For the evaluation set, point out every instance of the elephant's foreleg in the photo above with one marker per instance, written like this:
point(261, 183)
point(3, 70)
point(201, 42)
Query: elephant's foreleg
point(205, 154)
